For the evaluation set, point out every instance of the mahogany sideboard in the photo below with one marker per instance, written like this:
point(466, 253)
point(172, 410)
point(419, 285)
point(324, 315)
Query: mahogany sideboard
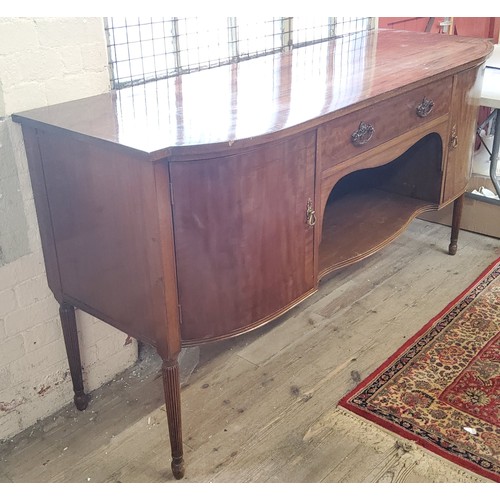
point(203, 206)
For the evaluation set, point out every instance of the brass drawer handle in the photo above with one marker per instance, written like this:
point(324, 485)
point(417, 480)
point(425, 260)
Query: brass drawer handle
point(310, 213)
point(425, 107)
point(363, 134)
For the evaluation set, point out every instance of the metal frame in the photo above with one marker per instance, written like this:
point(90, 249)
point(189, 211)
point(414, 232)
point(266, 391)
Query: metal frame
point(493, 116)
point(283, 30)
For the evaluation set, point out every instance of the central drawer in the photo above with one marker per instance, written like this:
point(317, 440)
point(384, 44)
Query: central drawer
point(357, 132)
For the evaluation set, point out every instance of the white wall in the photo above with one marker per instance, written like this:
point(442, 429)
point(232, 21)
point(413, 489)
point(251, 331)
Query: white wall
point(43, 61)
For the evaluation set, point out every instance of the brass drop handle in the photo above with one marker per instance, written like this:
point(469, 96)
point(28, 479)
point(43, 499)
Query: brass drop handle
point(363, 134)
point(453, 138)
point(310, 213)
point(425, 107)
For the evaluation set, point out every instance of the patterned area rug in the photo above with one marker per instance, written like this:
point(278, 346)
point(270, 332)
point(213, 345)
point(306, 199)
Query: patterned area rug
point(442, 388)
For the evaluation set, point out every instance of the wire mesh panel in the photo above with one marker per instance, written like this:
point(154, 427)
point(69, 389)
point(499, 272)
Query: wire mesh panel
point(142, 49)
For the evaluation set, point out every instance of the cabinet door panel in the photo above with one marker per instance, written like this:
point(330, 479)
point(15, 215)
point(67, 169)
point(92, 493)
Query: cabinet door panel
point(244, 250)
point(465, 105)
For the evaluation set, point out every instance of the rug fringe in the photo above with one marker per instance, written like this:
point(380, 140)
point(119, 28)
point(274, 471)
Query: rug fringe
point(343, 422)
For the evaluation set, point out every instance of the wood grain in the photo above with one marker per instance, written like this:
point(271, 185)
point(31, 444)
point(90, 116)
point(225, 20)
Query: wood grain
point(357, 319)
point(104, 229)
point(68, 323)
point(296, 89)
point(244, 251)
point(466, 92)
point(171, 387)
point(391, 118)
point(349, 235)
point(42, 206)
point(192, 209)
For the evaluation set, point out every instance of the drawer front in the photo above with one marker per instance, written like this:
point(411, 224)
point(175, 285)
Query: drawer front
point(364, 129)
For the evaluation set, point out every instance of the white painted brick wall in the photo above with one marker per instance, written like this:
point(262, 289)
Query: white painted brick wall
point(7, 302)
point(2, 332)
point(45, 61)
point(49, 60)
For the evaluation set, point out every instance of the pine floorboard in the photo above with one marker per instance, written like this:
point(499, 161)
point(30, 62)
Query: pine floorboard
point(262, 408)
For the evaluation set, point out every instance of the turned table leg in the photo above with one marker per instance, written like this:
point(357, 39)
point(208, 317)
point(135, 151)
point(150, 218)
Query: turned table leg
point(172, 389)
point(68, 322)
point(455, 224)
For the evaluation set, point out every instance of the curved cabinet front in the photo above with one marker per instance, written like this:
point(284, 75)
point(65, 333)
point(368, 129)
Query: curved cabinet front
point(244, 247)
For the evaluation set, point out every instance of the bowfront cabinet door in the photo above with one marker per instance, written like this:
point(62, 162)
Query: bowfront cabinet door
point(465, 105)
point(244, 245)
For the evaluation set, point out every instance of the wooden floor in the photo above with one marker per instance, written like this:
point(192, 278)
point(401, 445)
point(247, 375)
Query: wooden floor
point(262, 407)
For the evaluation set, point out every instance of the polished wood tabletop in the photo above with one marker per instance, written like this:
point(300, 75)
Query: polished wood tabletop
point(268, 95)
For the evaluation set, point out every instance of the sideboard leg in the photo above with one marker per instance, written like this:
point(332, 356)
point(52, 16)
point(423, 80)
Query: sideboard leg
point(455, 224)
point(68, 322)
point(172, 389)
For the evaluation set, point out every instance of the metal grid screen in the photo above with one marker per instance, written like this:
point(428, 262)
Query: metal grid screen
point(142, 49)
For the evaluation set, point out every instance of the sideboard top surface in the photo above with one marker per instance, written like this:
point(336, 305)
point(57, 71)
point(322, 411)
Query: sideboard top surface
point(245, 103)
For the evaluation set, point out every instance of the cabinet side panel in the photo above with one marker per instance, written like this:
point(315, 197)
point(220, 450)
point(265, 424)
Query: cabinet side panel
point(244, 250)
point(464, 110)
point(105, 227)
point(42, 210)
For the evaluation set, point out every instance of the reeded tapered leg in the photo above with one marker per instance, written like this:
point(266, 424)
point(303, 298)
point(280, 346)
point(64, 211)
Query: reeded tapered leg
point(455, 224)
point(172, 389)
point(68, 322)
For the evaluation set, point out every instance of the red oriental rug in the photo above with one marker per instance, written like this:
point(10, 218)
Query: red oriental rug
point(442, 387)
